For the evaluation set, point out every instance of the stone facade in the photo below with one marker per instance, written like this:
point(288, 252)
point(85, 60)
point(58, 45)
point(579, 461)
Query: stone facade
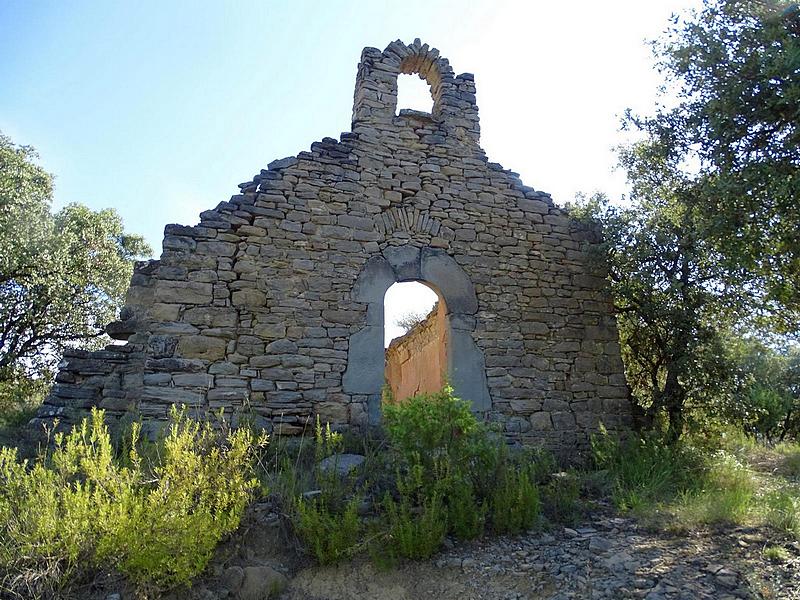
point(273, 303)
point(416, 363)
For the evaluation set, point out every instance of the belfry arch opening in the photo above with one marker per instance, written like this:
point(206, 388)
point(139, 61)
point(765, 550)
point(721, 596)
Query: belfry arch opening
point(415, 340)
point(414, 93)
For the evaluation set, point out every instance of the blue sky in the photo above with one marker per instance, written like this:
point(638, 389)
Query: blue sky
point(159, 109)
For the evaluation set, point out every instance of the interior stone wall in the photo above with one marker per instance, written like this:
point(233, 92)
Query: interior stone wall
point(267, 306)
point(416, 362)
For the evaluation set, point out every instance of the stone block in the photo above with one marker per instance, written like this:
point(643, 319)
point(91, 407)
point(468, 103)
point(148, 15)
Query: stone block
point(332, 412)
point(211, 316)
point(541, 421)
point(270, 330)
point(183, 292)
point(202, 347)
point(216, 248)
point(202, 380)
point(249, 298)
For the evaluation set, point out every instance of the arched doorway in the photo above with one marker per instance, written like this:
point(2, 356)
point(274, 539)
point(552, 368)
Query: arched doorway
point(466, 371)
point(415, 337)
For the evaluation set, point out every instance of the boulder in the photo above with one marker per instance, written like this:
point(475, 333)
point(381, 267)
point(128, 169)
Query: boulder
point(342, 463)
point(261, 582)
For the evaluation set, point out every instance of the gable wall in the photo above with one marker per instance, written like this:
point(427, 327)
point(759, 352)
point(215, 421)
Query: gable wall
point(252, 309)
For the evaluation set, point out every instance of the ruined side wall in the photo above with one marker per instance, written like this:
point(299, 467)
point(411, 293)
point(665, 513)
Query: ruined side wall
point(252, 310)
point(417, 361)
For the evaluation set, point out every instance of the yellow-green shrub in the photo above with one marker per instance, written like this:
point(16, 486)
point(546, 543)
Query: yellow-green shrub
point(158, 523)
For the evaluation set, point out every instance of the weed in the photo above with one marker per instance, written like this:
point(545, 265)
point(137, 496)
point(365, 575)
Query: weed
point(782, 509)
point(515, 503)
point(776, 554)
point(332, 535)
point(791, 459)
point(646, 471)
point(726, 496)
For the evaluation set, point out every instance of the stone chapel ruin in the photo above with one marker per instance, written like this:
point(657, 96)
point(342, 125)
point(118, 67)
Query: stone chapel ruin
point(272, 305)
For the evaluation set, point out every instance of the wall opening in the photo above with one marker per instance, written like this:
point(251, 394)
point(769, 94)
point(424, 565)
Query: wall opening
point(365, 374)
point(415, 341)
point(413, 93)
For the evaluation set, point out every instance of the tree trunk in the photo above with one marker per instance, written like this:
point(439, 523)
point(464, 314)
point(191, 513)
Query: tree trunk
point(674, 400)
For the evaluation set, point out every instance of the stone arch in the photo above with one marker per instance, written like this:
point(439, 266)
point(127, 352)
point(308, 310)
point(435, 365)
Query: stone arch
point(466, 368)
point(375, 98)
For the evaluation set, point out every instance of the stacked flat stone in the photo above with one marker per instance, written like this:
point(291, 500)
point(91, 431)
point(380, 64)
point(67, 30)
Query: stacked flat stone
point(271, 305)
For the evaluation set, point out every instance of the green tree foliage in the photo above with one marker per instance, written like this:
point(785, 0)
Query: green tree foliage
point(765, 395)
point(735, 66)
point(708, 243)
point(672, 294)
point(63, 276)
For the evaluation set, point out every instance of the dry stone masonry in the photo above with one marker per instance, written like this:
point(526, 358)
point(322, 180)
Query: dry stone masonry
point(272, 306)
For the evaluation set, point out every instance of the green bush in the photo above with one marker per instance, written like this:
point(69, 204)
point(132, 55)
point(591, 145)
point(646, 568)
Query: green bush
point(460, 464)
point(328, 523)
point(465, 513)
point(432, 425)
point(332, 535)
point(416, 532)
point(417, 523)
point(515, 503)
point(81, 507)
point(560, 498)
point(452, 474)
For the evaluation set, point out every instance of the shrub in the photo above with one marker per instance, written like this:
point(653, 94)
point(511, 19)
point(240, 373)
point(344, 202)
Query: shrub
point(332, 535)
point(416, 532)
point(452, 474)
point(515, 503)
point(81, 506)
point(465, 513)
point(417, 523)
point(560, 498)
point(328, 523)
point(432, 425)
point(461, 465)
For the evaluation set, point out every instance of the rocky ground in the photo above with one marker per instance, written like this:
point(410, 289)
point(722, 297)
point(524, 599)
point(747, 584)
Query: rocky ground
point(606, 556)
